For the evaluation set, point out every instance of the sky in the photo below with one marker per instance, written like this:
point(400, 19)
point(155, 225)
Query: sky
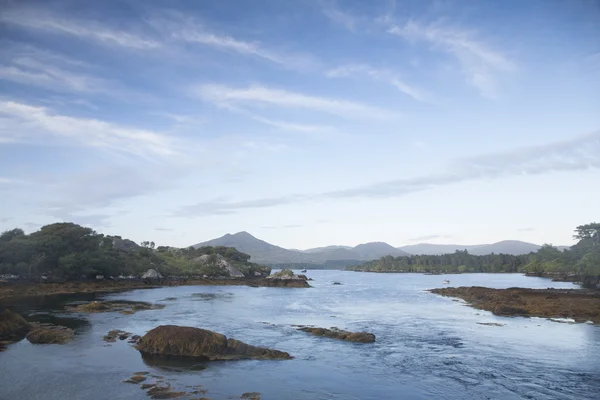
point(306, 123)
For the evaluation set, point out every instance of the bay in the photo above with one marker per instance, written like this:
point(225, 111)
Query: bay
point(427, 346)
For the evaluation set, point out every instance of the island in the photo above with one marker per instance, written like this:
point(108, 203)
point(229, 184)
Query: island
point(65, 258)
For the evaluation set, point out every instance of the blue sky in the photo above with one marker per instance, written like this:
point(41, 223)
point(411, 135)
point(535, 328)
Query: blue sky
point(305, 122)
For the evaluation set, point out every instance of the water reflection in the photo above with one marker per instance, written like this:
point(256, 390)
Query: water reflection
point(174, 363)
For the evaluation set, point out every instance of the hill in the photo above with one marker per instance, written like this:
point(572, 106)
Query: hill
point(330, 256)
point(513, 247)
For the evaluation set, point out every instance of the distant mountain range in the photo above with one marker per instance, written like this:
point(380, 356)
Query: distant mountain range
point(341, 256)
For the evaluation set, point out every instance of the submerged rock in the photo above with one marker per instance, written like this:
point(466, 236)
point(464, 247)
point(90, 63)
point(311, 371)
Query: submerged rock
point(250, 396)
point(335, 333)
point(13, 327)
point(50, 334)
point(135, 379)
point(202, 344)
point(115, 334)
point(109, 306)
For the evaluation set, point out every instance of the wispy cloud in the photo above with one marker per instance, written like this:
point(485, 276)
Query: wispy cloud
point(49, 71)
point(225, 95)
point(177, 27)
point(217, 207)
point(480, 63)
point(292, 226)
point(380, 75)
point(577, 154)
point(336, 15)
point(44, 20)
point(23, 122)
point(429, 237)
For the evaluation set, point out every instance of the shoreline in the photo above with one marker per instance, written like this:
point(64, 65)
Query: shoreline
point(580, 305)
point(33, 289)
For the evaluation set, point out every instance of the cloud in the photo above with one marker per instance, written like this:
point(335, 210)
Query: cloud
point(181, 28)
point(51, 71)
point(43, 20)
point(218, 207)
point(164, 229)
point(225, 96)
point(577, 154)
point(22, 122)
point(338, 16)
point(380, 75)
point(480, 63)
point(293, 226)
point(31, 226)
point(526, 229)
point(429, 237)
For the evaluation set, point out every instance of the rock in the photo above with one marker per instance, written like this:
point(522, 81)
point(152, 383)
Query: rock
point(164, 392)
point(123, 307)
point(152, 274)
point(13, 327)
point(287, 283)
point(490, 323)
point(217, 260)
point(285, 278)
point(112, 336)
point(135, 339)
point(251, 396)
point(135, 379)
point(334, 333)
point(336, 283)
point(284, 274)
point(50, 334)
point(182, 341)
point(577, 304)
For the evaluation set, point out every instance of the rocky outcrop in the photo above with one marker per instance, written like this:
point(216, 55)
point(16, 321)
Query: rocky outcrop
point(202, 344)
point(580, 305)
point(284, 278)
point(50, 334)
point(226, 268)
point(286, 274)
point(335, 333)
point(13, 327)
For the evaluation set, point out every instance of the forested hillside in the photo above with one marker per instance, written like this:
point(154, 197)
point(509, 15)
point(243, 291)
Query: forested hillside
point(69, 251)
point(582, 259)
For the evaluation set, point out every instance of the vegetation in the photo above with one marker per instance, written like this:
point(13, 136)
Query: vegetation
point(69, 251)
point(582, 259)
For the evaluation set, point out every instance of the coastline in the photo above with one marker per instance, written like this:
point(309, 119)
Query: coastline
point(580, 305)
point(32, 289)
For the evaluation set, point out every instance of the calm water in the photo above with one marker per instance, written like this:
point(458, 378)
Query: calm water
point(428, 347)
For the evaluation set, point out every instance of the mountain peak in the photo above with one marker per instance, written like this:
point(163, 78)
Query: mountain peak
point(242, 234)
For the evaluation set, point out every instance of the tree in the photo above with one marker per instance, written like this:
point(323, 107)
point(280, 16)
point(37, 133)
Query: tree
point(7, 236)
point(589, 232)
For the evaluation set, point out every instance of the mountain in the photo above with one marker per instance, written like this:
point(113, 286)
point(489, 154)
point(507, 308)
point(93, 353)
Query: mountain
point(326, 248)
point(514, 247)
point(260, 251)
point(341, 256)
point(373, 250)
point(265, 253)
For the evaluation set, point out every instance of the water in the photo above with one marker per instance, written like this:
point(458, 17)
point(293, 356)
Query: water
point(427, 346)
